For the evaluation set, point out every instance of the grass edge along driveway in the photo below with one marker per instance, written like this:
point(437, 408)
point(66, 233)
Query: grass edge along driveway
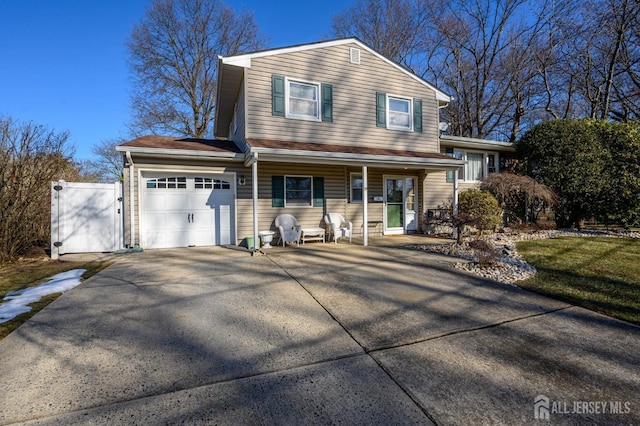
point(598, 273)
point(31, 273)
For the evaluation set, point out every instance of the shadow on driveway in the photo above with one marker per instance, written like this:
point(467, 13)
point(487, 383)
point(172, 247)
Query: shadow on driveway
point(317, 334)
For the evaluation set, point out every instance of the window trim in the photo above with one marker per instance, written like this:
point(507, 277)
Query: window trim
point(287, 96)
point(409, 101)
point(353, 175)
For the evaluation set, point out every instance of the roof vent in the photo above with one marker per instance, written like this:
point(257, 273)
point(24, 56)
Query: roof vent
point(354, 55)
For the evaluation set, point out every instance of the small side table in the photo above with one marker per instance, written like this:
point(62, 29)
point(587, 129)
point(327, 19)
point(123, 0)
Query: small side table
point(312, 234)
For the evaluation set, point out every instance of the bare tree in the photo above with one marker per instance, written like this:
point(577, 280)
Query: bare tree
point(173, 59)
point(395, 28)
point(488, 56)
point(108, 165)
point(481, 52)
point(598, 52)
point(31, 156)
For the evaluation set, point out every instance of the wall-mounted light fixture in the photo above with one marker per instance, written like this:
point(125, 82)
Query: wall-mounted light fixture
point(241, 180)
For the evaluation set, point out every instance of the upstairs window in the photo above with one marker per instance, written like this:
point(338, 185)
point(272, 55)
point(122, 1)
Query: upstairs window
point(398, 113)
point(303, 100)
point(399, 116)
point(299, 99)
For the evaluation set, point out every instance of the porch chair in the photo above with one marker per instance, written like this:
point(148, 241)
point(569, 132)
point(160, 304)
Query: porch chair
point(289, 228)
point(338, 226)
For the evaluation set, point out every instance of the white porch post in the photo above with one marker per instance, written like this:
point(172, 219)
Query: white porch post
point(365, 200)
point(254, 193)
point(455, 192)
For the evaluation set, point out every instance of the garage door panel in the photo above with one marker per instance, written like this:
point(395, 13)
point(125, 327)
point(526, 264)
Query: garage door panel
point(189, 215)
point(224, 229)
point(166, 239)
point(159, 201)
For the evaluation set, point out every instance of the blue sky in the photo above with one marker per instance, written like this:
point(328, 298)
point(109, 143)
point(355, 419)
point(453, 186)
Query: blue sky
point(63, 62)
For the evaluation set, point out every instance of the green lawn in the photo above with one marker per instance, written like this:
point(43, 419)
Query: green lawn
point(32, 273)
point(601, 274)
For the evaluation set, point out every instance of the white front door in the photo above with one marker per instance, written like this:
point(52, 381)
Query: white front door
point(180, 210)
point(400, 204)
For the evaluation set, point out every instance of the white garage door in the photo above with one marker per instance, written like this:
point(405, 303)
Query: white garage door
point(180, 210)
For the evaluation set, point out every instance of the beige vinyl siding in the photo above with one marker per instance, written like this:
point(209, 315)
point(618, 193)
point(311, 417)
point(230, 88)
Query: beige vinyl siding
point(354, 100)
point(438, 190)
point(336, 193)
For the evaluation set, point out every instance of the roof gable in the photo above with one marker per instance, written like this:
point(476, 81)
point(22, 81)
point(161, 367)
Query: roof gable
point(244, 60)
point(231, 75)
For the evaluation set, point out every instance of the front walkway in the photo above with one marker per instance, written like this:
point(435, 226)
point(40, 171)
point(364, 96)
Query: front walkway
point(316, 334)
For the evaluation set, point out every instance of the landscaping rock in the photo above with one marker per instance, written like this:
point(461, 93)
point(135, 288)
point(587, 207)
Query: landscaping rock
point(511, 267)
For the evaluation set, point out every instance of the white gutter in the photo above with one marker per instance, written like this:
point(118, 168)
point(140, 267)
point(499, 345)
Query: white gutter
point(463, 142)
point(182, 153)
point(131, 203)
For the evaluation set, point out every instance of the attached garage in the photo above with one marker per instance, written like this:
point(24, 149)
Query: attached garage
point(182, 209)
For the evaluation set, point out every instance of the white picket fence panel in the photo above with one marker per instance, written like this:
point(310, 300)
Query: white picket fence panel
point(85, 217)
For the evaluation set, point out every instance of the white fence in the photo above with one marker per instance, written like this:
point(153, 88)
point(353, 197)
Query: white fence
point(85, 217)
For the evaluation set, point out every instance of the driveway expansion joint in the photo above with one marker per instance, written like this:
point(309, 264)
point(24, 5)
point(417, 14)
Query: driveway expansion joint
point(464, 330)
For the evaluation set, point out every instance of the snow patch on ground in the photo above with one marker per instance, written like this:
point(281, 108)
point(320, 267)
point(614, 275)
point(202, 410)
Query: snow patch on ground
point(16, 303)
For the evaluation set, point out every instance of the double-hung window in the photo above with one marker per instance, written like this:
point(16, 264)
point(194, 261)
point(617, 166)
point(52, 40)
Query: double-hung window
point(356, 187)
point(298, 191)
point(303, 100)
point(399, 116)
point(398, 112)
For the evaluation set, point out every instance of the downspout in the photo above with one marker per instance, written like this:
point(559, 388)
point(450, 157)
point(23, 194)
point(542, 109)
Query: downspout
point(131, 203)
point(254, 190)
point(365, 207)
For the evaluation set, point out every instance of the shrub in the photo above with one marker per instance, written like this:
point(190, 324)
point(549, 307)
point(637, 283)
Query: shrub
point(479, 209)
point(486, 253)
point(31, 156)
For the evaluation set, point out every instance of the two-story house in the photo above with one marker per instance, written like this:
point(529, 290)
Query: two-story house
point(325, 127)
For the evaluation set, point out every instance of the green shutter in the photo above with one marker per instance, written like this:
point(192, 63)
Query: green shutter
point(277, 191)
point(318, 192)
point(449, 152)
point(417, 115)
point(381, 109)
point(277, 95)
point(327, 102)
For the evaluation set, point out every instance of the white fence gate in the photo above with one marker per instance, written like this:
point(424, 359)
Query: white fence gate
point(85, 217)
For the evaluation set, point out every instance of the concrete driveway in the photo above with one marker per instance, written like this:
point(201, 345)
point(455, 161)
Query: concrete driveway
point(321, 334)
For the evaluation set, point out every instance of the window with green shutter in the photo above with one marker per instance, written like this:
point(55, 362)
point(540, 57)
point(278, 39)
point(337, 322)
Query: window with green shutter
point(277, 95)
point(398, 113)
point(297, 191)
point(381, 109)
point(327, 102)
point(277, 191)
point(318, 192)
point(417, 115)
